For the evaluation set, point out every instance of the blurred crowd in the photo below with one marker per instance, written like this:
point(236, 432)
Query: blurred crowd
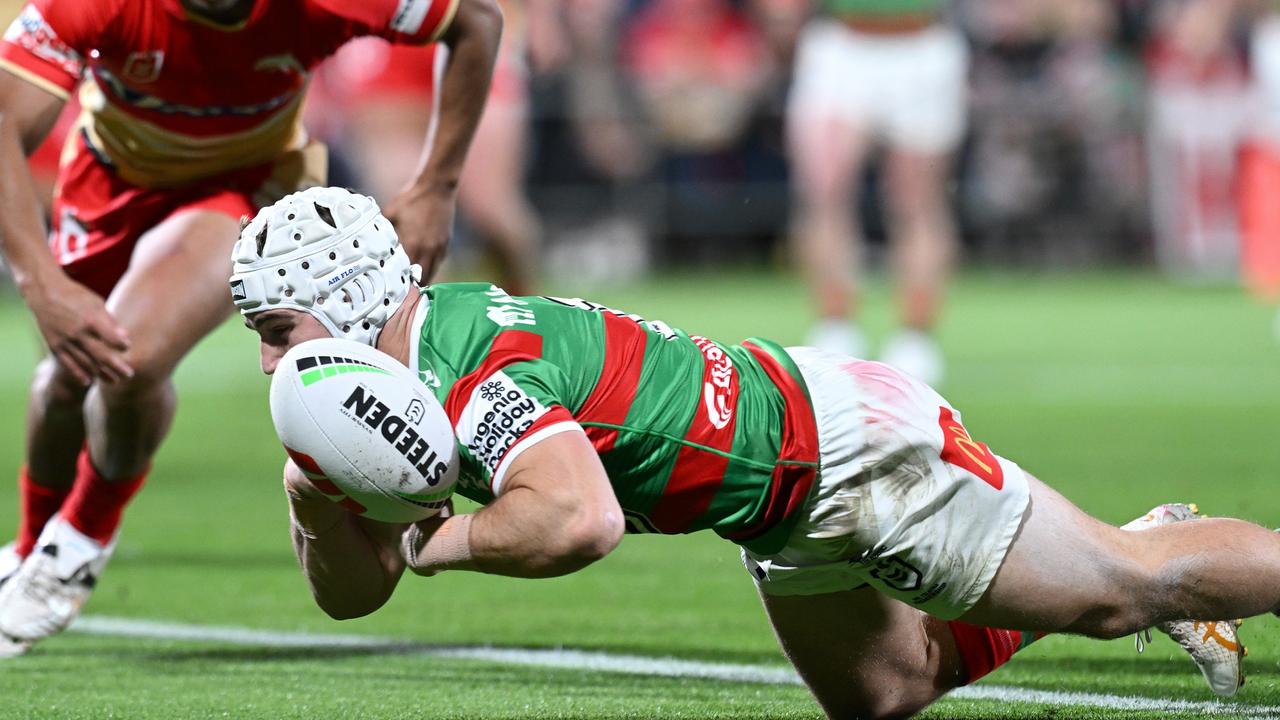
point(623, 133)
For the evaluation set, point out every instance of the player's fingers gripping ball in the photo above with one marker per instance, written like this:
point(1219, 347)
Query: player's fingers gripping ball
point(364, 431)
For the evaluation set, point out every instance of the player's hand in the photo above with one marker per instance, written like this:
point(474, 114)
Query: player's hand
point(312, 511)
point(424, 221)
point(80, 332)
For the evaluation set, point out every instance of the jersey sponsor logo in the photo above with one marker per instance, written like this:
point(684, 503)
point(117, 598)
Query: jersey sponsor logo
point(409, 16)
point(507, 311)
point(363, 405)
point(961, 450)
point(146, 101)
point(143, 66)
point(32, 33)
point(717, 391)
point(496, 415)
point(666, 331)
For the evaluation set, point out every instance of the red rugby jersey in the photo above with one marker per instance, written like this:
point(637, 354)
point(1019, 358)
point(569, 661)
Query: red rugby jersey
point(170, 98)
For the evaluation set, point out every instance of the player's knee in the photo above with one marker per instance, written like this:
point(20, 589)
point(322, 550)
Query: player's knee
point(55, 385)
point(884, 702)
point(152, 369)
point(1110, 622)
point(1125, 608)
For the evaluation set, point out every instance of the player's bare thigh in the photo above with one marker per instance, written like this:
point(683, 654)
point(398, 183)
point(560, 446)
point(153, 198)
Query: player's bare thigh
point(175, 291)
point(1067, 572)
point(863, 654)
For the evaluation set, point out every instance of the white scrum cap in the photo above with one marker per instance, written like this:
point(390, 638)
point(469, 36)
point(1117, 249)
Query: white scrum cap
point(328, 252)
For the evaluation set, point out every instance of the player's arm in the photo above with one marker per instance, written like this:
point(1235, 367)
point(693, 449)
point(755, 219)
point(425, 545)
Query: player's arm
point(556, 513)
point(37, 76)
point(352, 564)
point(423, 212)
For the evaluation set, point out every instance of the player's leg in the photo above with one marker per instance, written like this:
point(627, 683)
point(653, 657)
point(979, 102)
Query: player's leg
point(1067, 572)
point(923, 246)
point(900, 451)
point(927, 120)
point(173, 294)
point(829, 136)
point(491, 192)
point(55, 434)
point(865, 655)
point(93, 238)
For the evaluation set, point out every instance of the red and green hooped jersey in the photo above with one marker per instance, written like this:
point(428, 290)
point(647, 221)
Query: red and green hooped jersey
point(694, 434)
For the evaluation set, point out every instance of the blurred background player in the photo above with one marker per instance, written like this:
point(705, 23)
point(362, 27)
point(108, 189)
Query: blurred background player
point(869, 71)
point(1259, 182)
point(170, 152)
point(379, 98)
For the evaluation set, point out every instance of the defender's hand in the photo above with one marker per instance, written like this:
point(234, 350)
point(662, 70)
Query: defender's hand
point(424, 221)
point(80, 332)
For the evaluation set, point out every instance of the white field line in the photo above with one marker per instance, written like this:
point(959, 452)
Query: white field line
point(630, 664)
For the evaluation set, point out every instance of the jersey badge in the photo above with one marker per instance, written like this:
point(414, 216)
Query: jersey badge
point(143, 66)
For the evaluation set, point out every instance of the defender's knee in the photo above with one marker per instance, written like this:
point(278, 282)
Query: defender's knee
point(152, 371)
point(55, 385)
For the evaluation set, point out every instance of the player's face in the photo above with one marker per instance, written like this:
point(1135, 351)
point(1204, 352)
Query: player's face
point(280, 330)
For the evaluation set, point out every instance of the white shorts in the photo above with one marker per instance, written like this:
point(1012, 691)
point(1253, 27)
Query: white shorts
point(905, 500)
point(910, 90)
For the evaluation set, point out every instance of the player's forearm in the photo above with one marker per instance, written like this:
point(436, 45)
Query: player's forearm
point(473, 47)
point(22, 232)
point(521, 534)
point(351, 565)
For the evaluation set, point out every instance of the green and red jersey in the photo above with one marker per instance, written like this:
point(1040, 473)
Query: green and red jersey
point(694, 434)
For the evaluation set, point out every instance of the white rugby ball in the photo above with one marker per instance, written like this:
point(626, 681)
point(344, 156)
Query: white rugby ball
point(364, 430)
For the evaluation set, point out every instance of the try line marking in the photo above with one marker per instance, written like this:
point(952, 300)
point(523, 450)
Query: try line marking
point(631, 664)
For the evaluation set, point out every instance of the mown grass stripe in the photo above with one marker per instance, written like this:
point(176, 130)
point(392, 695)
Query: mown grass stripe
point(632, 664)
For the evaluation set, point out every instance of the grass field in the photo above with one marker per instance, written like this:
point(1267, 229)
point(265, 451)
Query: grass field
point(1120, 390)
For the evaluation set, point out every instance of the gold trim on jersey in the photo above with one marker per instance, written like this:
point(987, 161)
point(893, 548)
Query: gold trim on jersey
point(446, 21)
point(150, 156)
point(46, 85)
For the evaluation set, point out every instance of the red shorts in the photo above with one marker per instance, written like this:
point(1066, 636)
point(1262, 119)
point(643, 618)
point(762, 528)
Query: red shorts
point(98, 218)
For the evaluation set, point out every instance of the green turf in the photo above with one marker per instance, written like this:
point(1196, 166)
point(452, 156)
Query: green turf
point(1122, 391)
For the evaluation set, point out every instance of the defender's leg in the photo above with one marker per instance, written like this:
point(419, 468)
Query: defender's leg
point(173, 294)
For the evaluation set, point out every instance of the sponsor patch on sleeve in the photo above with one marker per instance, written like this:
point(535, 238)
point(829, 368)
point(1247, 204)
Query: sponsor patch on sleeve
point(31, 32)
point(409, 16)
point(496, 415)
